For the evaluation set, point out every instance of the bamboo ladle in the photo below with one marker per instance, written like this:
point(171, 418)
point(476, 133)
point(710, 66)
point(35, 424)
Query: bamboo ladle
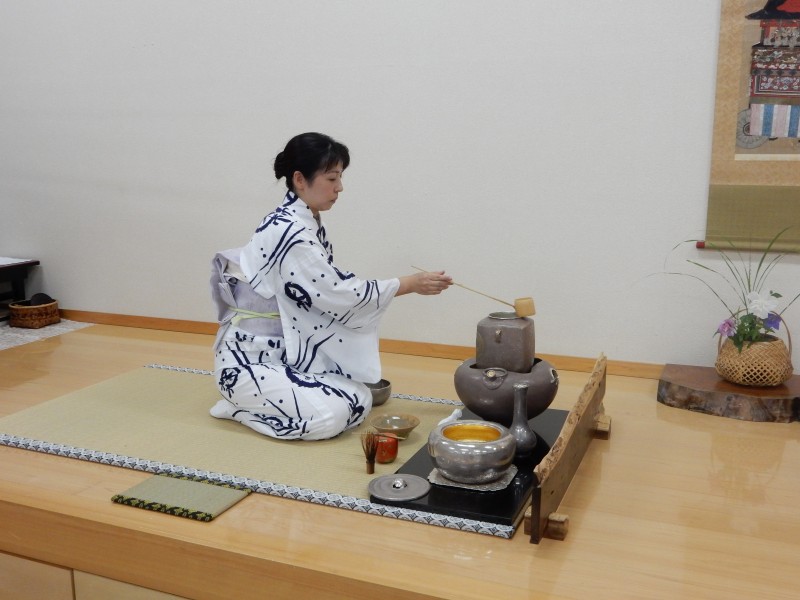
point(523, 307)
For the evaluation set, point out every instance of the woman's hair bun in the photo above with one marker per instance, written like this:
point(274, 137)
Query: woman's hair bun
point(280, 166)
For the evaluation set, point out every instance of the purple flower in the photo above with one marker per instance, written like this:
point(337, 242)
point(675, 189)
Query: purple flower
point(773, 321)
point(727, 328)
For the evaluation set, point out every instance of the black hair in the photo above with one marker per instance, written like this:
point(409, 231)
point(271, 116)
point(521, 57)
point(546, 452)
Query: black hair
point(310, 153)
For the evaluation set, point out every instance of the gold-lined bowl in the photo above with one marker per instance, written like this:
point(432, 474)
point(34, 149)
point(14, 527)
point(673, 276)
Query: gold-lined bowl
point(472, 432)
point(472, 452)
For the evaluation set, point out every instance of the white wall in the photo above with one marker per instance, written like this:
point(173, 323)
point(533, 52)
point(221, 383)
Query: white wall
point(531, 148)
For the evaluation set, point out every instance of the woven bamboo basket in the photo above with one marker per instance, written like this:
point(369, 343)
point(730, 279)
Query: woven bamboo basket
point(22, 314)
point(760, 364)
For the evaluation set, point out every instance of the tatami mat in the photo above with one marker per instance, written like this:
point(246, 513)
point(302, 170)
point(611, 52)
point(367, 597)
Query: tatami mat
point(162, 415)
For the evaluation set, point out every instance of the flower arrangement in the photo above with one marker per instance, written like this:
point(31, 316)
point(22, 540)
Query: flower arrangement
point(754, 318)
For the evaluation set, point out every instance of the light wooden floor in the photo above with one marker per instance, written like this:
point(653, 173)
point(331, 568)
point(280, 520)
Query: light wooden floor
point(673, 505)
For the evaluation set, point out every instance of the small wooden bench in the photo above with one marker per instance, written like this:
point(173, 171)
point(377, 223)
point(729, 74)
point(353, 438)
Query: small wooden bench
point(14, 271)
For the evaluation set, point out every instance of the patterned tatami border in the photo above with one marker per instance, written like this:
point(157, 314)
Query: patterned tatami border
point(265, 487)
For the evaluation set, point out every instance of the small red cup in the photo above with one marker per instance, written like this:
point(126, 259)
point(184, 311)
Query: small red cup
point(387, 447)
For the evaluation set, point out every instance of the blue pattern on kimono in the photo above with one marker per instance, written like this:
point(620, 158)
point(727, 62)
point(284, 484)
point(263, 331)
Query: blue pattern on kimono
point(330, 317)
point(303, 382)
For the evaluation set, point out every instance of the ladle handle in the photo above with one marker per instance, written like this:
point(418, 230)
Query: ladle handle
point(473, 291)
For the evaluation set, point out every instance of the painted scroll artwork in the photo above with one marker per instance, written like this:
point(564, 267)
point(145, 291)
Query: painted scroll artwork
point(769, 123)
point(754, 188)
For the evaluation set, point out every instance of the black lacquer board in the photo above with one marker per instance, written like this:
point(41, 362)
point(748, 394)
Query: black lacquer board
point(503, 507)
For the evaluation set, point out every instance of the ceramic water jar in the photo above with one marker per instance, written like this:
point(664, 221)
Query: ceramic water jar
point(505, 340)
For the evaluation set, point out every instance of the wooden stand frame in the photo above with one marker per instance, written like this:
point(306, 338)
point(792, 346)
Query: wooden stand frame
point(554, 473)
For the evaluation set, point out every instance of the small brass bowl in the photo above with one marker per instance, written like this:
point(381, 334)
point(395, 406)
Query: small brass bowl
point(381, 391)
point(401, 425)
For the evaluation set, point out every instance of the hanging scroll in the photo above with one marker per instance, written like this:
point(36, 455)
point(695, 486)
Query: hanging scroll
point(754, 189)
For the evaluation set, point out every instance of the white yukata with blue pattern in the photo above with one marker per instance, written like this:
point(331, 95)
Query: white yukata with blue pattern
point(304, 382)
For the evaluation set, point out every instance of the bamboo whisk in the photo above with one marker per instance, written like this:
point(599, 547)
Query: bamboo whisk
point(369, 443)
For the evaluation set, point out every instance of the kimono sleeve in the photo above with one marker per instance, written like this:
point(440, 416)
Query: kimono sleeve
point(314, 283)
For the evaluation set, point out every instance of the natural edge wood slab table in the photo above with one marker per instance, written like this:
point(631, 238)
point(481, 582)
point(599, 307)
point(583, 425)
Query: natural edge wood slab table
point(701, 389)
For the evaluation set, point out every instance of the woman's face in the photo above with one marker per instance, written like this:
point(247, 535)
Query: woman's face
point(322, 191)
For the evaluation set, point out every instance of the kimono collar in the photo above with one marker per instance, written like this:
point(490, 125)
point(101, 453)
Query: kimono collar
point(295, 205)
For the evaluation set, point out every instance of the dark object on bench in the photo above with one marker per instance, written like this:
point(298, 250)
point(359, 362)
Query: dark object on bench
point(38, 300)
